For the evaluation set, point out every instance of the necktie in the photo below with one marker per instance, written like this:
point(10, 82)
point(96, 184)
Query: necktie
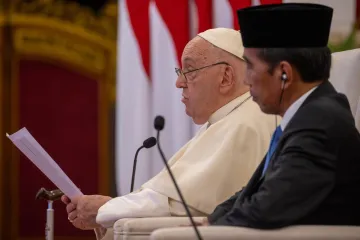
point(273, 143)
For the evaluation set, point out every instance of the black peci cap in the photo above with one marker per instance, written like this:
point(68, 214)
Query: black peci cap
point(288, 25)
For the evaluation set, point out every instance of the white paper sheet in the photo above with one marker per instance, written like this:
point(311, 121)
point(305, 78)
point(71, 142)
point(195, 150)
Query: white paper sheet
point(27, 144)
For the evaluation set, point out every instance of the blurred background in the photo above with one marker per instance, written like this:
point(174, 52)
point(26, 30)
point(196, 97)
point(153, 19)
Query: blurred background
point(86, 78)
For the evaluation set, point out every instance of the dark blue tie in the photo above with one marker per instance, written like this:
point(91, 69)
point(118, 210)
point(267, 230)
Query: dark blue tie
point(274, 141)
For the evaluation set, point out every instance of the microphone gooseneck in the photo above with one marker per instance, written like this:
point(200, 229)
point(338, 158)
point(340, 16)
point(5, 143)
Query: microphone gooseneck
point(159, 125)
point(148, 143)
point(134, 168)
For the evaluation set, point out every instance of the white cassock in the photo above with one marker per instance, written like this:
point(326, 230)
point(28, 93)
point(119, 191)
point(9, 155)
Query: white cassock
point(213, 165)
point(209, 169)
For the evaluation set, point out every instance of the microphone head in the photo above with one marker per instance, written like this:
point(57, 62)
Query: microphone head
point(159, 123)
point(150, 142)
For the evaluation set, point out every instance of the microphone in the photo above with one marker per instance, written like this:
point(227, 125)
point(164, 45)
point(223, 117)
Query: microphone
point(148, 143)
point(159, 123)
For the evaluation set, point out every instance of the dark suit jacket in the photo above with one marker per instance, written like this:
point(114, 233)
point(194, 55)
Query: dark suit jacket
point(313, 176)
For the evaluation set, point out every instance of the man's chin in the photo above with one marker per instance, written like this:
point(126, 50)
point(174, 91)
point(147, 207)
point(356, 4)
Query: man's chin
point(264, 108)
point(267, 110)
point(199, 121)
point(255, 100)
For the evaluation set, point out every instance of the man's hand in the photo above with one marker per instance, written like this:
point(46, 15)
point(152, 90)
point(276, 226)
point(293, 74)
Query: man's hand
point(82, 210)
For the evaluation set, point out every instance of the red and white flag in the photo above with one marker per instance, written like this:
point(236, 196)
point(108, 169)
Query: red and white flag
point(169, 33)
point(134, 93)
point(224, 11)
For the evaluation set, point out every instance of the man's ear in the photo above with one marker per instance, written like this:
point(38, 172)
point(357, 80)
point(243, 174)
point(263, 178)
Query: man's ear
point(285, 74)
point(228, 78)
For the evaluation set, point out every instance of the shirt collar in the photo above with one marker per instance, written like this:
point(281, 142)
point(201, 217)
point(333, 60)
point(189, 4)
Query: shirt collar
point(290, 112)
point(227, 108)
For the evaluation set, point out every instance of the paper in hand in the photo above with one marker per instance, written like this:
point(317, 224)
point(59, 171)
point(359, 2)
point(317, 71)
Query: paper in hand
point(27, 144)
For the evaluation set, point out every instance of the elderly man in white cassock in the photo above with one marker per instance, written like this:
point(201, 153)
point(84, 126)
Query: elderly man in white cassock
point(220, 158)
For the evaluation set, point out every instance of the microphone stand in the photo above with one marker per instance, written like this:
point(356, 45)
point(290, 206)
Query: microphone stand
point(177, 188)
point(50, 196)
point(148, 143)
point(134, 169)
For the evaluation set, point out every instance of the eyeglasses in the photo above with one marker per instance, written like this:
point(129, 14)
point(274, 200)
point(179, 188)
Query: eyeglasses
point(181, 73)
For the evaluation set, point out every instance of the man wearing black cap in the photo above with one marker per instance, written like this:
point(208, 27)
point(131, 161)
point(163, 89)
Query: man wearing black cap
point(311, 173)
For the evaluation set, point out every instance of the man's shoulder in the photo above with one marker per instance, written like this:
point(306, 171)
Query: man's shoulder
point(335, 106)
point(327, 112)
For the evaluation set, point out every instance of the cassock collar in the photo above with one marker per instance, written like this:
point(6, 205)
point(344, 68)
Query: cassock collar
point(227, 108)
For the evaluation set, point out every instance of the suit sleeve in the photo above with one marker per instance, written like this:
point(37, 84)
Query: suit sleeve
point(301, 177)
point(223, 208)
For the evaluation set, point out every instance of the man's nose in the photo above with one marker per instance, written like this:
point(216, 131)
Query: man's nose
point(180, 82)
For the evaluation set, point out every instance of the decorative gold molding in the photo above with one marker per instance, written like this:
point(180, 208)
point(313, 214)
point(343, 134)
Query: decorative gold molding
point(65, 31)
point(103, 24)
point(53, 44)
point(61, 27)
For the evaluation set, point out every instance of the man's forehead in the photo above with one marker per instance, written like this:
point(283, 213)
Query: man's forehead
point(196, 50)
point(196, 44)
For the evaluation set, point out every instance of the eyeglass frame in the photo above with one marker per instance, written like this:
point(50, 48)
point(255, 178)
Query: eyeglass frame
point(179, 72)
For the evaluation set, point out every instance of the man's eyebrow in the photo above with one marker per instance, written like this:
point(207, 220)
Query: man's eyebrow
point(189, 60)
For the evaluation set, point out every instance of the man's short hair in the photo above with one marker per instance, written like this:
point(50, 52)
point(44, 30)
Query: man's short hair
point(313, 64)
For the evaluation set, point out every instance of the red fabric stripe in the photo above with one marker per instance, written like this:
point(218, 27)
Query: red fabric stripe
point(176, 17)
point(139, 18)
point(270, 1)
point(235, 5)
point(204, 10)
point(238, 4)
